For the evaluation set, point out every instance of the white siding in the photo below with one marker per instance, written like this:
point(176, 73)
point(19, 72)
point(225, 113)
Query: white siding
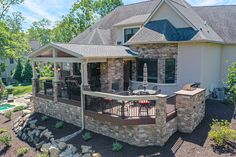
point(199, 62)
point(166, 12)
point(228, 57)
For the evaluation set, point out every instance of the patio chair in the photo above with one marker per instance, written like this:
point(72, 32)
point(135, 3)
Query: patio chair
point(158, 91)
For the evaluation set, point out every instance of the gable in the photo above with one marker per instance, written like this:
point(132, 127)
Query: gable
point(165, 12)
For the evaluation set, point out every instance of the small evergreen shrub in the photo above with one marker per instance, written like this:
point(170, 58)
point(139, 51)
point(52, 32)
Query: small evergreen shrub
point(5, 139)
point(9, 89)
point(116, 146)
point(44, 118)
point(18, 108)
point(86, 136)
point(59, 124)
point(2, 130)
point(22, 151)
point(221, 133)
point(8, 114)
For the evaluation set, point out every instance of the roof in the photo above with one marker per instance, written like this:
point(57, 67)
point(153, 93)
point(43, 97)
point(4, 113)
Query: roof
point(162, 31)
point(133, 20)
point(222, 19)
point(220, 22)
point(88, 51)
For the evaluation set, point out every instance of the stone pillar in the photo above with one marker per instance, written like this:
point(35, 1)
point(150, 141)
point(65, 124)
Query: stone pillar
point(34, 86)
point(55, 91)
point(190, 107)
point(161, 119)
point(161, 70)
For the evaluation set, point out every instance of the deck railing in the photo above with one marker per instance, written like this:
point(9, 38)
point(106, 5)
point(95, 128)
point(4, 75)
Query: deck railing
point(123, 106)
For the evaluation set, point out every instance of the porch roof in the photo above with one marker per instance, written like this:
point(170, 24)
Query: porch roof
point(88, 51)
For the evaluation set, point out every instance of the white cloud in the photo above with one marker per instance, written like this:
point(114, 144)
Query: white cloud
point(211, 2)
point(39, 9)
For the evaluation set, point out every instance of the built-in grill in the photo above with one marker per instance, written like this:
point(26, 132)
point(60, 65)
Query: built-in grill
point(191, 86)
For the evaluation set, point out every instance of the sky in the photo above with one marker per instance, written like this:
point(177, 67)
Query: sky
point(53, 10)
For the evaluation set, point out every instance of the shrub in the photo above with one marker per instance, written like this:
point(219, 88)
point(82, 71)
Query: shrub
point(18, 71)
point(8, 114)
point(5, 139)
point(2, 130)
point(59, 124)
point(22, 151)
point(27, 72)
point(221, 133)
point(116, 146)
point(9, 89)
point(18, 108)
point(44, 118)
point(43, 154)
point(86, 136)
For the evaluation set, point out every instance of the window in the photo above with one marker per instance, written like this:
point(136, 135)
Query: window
point(170, 70)
point(11, 60)
point(128, 33)
point(152, 69)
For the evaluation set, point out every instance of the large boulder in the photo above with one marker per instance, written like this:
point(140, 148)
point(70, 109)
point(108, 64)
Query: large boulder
point(54, 151)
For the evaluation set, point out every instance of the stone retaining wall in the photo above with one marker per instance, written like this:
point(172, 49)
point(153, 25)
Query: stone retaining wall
point(139, 135)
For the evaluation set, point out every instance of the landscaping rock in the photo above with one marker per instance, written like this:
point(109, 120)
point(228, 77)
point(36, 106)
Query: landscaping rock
point(71, 148)
point(96, 155)
point(54, 151)
point(62, 146)
point(32, 121)
point(86, 149)
point(87, 155)
point(45, 147)
point(39, 145)
point(41, 127)
point(25, 112)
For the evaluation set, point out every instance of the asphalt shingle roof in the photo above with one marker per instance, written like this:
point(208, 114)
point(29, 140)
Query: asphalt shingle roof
point(220, 22)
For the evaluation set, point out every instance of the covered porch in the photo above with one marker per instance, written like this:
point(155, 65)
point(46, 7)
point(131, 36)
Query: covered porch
point(94, 73)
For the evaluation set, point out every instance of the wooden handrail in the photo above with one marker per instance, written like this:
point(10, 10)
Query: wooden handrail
point(124, 98)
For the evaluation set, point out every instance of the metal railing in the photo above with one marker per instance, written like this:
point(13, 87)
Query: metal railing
point(123, 106)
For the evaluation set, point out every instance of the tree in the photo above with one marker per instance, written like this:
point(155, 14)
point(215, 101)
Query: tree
point(40, 31)
point(18, 71)
point(231, 81)
point(103, 7)
point(5, 5)
point(27, 72)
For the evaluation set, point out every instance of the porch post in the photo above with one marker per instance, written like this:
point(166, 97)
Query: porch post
point(56, 78)
point(71, 69)
point(161, 118)
point(85, 75)
point(34, 80)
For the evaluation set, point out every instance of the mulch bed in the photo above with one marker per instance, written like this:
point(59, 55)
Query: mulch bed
point(180, 145)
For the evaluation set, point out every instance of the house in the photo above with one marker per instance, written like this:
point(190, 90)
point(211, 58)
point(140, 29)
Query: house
point(180, 44)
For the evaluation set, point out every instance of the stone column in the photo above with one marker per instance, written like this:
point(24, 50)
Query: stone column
point(34, 86)
point(190, 107)
point(161, 70)
point(161, 119)
point(55, 91)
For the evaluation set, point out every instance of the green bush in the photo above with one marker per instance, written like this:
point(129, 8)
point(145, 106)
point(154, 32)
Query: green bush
point(44, 118)
point(18, 108)
point(8, 114)
point(2, 130)
point(22, 151)
point(86, 136)
point(116, 146)
point(9, 89)
point(59, 124)
point(221, 133)
point(5, 139)
point(43, 154)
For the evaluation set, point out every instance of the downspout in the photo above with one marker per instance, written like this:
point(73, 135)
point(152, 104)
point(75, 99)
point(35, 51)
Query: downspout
point(82, 95)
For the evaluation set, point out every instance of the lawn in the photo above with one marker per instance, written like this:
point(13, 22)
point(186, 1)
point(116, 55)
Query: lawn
point(20, 90)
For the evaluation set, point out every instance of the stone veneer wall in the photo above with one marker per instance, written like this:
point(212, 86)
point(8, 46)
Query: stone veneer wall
point(139, 135)
point(190, 109)
point(156, 51)
point(112, 72)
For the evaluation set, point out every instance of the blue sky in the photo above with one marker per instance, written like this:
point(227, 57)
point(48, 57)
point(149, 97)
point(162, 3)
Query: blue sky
point(34, 10)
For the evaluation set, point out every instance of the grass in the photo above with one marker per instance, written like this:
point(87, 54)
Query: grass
point(18, 108)
point(22, 151)
point(2, 130)
point(20, 90)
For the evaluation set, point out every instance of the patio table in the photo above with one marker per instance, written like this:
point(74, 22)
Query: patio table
point(149, 91)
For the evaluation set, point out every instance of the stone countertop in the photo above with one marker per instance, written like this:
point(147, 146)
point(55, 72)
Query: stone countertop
point(187, 92)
